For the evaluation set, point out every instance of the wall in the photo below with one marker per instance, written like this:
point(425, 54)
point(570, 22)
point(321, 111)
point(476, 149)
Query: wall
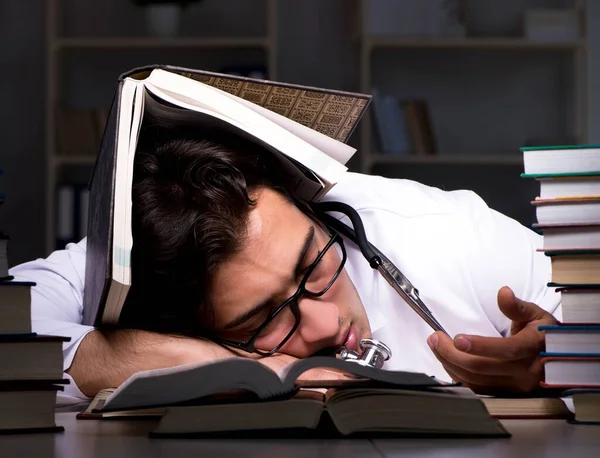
point(315, 48)
point(22, 26)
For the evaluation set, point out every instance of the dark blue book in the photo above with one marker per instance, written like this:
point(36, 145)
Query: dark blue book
point(572, 339)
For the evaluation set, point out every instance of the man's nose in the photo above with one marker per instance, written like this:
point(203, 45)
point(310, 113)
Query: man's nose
point(319, 319)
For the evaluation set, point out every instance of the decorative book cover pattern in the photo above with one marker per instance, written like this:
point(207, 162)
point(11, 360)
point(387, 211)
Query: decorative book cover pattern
point(333, 114)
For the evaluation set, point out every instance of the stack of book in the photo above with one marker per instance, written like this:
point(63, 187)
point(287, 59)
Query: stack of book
point(568, 216)
point(30, 365)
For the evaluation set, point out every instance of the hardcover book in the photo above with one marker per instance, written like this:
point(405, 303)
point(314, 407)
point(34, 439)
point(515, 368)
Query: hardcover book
point(240, 395)
point(305, 128)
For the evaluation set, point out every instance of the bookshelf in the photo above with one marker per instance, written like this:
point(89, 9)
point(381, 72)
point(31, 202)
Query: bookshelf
point(475, 86)
point(89, 44)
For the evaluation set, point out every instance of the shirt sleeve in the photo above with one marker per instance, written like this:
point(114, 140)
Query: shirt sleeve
point(500, 251)
point(57, 304)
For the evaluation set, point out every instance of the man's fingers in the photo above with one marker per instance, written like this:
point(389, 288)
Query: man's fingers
point(526, 344)
point(518, 310)
point(466, 376)
point(445, 350)
point(479, 389)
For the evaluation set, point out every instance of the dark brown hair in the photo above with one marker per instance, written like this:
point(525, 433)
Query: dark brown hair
point(191, 199)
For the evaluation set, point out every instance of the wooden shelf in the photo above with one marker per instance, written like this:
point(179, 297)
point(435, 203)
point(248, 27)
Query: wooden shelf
point(150, 42)
point(516, 43)
point(467, 159)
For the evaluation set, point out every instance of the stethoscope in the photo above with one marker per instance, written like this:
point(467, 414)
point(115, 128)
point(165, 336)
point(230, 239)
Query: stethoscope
point(373, 352)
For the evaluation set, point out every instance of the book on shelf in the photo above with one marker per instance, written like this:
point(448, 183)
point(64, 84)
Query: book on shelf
point(390, 124)
point(575, 267)
point(15, 307)
point(402, 126)
point(28, 408)
point(566, 160)
point(72, 204)
point(304, 128)
point(570, 370)
point(564, 186)
point(564, 237)
point(572, 338)
point(335, 412)
point(567, 211)
point(580, 304)
point(420, 126)
point(587, 404)
point(4, 275)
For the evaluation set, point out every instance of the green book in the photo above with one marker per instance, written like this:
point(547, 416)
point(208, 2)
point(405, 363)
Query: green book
point(564, 160)
point(561, 175)
point(559, 147)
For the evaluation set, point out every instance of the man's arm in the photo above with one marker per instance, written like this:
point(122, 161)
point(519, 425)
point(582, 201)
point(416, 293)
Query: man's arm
point(96, 359)
point(499, 251)
point(107, 358)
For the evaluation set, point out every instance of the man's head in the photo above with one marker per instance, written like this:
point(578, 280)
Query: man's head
point(219, 245)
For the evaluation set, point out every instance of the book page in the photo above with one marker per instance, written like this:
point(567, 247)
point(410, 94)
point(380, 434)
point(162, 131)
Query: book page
point(172, 385)
point(192, 95)
point(129, 123)
point(290, 374)
point(302, 182)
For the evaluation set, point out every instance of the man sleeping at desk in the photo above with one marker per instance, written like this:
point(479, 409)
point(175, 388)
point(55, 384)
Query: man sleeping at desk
point(226, 263)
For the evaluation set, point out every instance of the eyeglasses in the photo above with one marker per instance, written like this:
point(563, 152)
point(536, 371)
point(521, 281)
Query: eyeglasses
point(286, 317)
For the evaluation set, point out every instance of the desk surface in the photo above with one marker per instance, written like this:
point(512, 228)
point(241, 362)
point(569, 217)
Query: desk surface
point(119, 438)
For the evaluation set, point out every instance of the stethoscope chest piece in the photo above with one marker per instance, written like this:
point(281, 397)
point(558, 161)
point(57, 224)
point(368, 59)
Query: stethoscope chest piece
point(374, 353)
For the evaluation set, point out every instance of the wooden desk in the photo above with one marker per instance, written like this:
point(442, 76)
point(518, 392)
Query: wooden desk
point(116, 439)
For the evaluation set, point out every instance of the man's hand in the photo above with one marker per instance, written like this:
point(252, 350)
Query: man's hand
point(490, 365)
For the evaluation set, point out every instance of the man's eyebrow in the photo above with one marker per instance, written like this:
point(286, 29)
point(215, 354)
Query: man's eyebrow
point(308, 241)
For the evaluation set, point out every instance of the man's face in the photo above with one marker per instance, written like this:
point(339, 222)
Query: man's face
point(280, 244)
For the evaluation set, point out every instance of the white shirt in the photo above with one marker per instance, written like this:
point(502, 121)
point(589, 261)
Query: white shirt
point(452, 247)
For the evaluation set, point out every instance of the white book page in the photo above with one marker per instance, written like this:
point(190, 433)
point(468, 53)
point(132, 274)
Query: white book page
point(194, 95)
point(121, 252)
point(136, 125)
point(340, 151)
point(303, 184)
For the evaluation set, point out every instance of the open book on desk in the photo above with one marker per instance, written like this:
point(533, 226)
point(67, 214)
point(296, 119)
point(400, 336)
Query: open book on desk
point(180, 384)
point(366, 412)
point(318, 411)
point(304, 128)
point(238, 395)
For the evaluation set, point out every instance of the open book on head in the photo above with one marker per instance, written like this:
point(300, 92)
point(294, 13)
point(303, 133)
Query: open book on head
point(304, 128)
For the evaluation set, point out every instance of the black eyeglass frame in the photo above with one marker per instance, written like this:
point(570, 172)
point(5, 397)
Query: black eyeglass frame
point(292, 302)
